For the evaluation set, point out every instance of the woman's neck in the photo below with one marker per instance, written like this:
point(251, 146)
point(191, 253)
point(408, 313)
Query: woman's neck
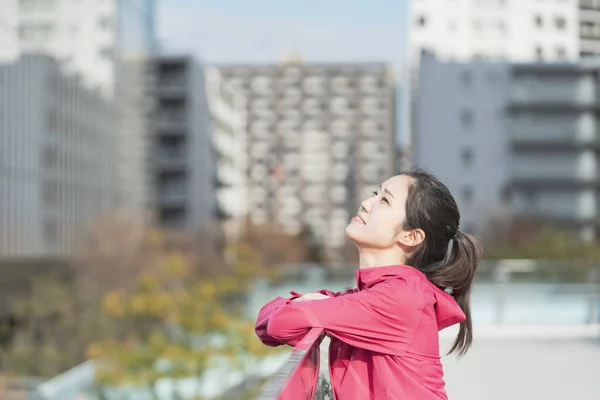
point(372, 258)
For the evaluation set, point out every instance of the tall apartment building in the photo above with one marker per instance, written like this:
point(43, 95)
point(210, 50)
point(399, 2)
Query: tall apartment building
point(57, 158)
point(229, 134)
point(518, 140)
point(515, 30)
point(107, 44)
point(320, 138)
point(87, 37)
point(184, 164)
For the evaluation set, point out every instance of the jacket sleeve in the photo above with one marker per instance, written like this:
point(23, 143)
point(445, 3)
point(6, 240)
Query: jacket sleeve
point(265, 314)
point(337, 294)
point(382, 318)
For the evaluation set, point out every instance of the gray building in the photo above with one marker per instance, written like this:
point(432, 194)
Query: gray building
point(183, 161)
point(517, 140)
point(589, 28)
point(320, 138)
point(57, 158)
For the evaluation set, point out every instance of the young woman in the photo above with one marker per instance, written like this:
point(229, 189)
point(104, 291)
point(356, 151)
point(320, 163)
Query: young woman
point(415, 276)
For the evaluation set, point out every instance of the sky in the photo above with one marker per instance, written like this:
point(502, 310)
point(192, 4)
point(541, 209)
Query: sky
point(220, 31)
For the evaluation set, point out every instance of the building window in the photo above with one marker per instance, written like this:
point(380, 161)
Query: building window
point(50, 231)
point(36, 5)
point(105, 23)
point(539, 22)
point(422, 21)
point(467, 194)
point(107, 53)
point(561, 53)
point(36, 32)
point(466, 119)
point(467, 157)
point(561, 23)
point(539, 53)
point(466, 79)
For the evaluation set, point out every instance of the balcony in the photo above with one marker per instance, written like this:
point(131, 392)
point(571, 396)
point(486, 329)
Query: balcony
point(555, 183)
point(553, 144)
point(172, 198)
point(171, 125)
point(172, 162)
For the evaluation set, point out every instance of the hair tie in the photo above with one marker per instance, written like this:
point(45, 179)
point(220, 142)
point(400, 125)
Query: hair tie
point(457, 232)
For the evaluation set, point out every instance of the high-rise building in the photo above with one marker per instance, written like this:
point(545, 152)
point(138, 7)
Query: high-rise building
point(183, 159)
point(106, 43)
point(513, 140)
point(57, 158)
point(515, 30)
point(229, 135)
point(498, 30)
point(320, 138)
point(87, 37)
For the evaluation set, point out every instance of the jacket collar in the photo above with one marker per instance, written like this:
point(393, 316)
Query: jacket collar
point(368, 277)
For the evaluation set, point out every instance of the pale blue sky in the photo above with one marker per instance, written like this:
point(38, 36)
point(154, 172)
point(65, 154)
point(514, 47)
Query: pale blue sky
point(262, 31)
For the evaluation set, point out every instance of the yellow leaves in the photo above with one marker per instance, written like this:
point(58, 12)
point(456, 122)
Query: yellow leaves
point(147, 282)
point(114, 304)
point(174, 265)
point(206, 290)
point(95, 351)
point(175, 317)
point(155, 238)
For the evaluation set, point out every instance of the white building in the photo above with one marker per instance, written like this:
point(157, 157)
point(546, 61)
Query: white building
point(229, 135)
point(57, 159)
point(321, 137)
point(513, 140)
point(515, 30)
point(86, 36)
point(106, 43)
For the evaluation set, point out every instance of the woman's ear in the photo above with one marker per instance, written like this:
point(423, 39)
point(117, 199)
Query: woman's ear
point(412, 238)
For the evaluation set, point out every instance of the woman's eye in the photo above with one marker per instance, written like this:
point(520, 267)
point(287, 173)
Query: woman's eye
point(383, 199)
point(374, 192)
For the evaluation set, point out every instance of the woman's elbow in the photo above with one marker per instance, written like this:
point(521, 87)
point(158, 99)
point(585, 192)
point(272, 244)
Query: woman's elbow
point(275, 329)
point(284, 328)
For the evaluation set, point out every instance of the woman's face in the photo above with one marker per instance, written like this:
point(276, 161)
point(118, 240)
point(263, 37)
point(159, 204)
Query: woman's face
point(379, 220)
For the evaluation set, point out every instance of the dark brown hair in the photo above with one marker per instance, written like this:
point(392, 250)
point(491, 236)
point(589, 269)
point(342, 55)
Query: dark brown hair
point(447, 256)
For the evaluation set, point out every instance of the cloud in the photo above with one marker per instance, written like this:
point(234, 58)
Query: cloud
point(217, 37)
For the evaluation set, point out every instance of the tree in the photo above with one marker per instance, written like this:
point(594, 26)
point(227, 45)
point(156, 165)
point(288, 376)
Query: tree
point(176, 323)
point(54, 328)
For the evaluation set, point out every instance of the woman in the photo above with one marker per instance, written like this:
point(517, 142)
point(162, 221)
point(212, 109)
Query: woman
point(415, 276)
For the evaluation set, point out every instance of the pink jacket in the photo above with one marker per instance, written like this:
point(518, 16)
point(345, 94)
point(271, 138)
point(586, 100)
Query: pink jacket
point(384, 334)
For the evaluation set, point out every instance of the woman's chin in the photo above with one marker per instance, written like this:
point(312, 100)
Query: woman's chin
point(351, 232)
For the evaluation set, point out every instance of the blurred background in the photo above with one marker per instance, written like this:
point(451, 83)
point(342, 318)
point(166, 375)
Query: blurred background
point(168, 167)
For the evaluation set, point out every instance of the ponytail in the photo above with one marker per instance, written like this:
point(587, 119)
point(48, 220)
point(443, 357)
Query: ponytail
point(457, 272)
point(447, 256)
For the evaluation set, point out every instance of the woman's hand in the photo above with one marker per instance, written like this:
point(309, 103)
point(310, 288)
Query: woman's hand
point(311, 296)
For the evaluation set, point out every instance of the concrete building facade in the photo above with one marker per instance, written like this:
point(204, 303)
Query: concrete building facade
point(517, 140)
point(183, 157)
point(57, 158)
point(320, 138)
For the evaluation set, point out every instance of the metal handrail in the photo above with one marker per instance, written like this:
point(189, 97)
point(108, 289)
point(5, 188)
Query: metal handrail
point(280, 383)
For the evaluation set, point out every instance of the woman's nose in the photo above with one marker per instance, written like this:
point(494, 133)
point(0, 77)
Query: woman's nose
point(366, 205)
